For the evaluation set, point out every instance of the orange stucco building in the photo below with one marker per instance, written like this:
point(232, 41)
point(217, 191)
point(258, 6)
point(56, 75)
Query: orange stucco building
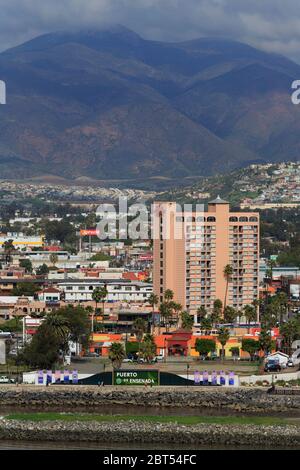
point(192, 247)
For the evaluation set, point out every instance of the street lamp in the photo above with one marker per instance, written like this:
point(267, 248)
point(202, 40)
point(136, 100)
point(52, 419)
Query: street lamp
point(187, 373)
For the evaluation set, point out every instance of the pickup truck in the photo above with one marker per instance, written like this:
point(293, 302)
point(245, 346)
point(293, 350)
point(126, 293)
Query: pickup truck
point(6, 380)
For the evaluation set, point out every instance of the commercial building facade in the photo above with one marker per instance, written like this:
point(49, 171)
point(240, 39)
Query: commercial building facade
point(192, 248)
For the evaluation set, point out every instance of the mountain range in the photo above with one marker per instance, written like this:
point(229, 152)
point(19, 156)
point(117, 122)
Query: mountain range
point(108, 104)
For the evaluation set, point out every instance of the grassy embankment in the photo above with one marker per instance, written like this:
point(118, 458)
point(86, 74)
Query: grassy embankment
point(184, 420)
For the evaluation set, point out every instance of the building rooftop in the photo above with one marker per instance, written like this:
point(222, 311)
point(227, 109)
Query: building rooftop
point(218, 200)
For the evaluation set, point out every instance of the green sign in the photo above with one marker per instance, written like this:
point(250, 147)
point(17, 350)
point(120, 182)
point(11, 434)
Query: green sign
point(136, 377)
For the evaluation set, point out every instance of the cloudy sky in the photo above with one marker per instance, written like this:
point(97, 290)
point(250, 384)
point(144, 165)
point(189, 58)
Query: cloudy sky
point(273, 25)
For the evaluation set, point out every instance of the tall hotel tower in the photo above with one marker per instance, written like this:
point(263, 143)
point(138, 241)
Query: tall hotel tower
point(192, 248)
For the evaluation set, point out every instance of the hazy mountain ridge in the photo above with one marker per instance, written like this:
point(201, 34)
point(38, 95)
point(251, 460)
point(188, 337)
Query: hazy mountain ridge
point(109, 104)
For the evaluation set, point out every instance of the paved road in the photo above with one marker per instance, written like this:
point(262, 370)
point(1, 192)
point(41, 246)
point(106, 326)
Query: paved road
point(96, 365)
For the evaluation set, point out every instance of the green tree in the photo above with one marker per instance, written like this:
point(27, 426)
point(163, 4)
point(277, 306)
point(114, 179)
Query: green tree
point(8, 247)
point(25, 288)
point(148, 348)
point(43, 350)
point(117, 355)
point(290, 331)
point(216, 312)
point(201, 313)
point(228, 271)
point(42, 270)
point(139, 327)
point(223, 337)
point(26, 264)
point(230, 314)
point(187, 320)
point(78, 323)
point(235, 351)
point(206, 325)
point(165, 311)
point(280, 305)
point(249, 312)
point(153, 301)
point(59, 326)
point(251, 346)
point(265, 341)
point(53, 259)
point(205, 346)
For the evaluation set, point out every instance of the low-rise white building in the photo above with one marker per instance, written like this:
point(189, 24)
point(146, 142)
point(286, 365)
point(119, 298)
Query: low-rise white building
point(78, 291)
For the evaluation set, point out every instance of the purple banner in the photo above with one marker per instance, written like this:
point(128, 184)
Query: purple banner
point(40, 377)
point(75, 377)
point(231, 378)
point(66, 376)
point(57, 376)
point(222, 378)
point(197, 377)
point(49, 377)
point(205, 377)
point(214, 380)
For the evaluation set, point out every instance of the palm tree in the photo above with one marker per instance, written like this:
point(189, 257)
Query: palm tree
point(250, 314)
point(153, 300)
point(59, 327)
point(187, 320)
point(139, 327)
point(217, 312)
point(98, 295)
point(165, 312)
point(53, 259)
point(8, 247)
point(177, 308)
point(117, 355)
point(201, 313)
point(223, 337)
point(280, 303)
point(148, 348)
point(230, 314)
point(257, 303)
point(206, 325)
point(169, 295)
point(265, 341)
point(228, 271)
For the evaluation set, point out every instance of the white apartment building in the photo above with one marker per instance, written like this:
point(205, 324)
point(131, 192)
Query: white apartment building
point(128, 291)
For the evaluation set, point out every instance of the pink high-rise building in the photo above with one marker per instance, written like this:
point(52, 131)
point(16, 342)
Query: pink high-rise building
point(192, 248)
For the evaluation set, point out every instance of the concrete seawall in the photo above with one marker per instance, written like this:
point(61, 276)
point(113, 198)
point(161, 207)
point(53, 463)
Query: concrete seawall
point(42, 398)
point(153, 433)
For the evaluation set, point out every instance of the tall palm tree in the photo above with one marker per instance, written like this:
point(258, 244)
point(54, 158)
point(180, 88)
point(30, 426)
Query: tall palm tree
point(176, 308)
point(139, 327)
point(153, 300)
point(8, 247)
point(228, 271)
point(165, 312)
point(117, 355)
point(169, 295)
point(187, 320)
point(148, 348)
point(250, 314)
point(201, 313)
point(223, 337)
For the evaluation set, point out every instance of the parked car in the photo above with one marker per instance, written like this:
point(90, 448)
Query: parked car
point(290, 363)
point(272, 367)
point(6, 334)
point(6, 380)
point(92, 354)
point(159, 358)
point(127, 359)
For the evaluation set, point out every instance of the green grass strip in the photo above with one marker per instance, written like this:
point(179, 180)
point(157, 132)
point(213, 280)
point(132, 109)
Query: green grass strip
point(186, 420)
